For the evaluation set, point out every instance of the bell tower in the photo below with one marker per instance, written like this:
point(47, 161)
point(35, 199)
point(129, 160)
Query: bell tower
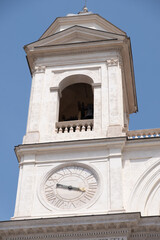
point(83, 91)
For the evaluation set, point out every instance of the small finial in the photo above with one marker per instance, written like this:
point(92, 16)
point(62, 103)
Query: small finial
point(85, 9)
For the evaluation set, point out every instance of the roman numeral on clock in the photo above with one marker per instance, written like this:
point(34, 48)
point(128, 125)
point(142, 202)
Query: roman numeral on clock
point(50, 197)
point(59, 203)
point(92, 185)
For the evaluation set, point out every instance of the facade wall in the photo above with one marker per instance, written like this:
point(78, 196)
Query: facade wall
point(141, 176)
point(128, 172)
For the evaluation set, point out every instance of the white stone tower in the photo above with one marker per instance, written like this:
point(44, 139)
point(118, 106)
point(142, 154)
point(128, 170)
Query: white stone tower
point(83, 174)
point(72, 160)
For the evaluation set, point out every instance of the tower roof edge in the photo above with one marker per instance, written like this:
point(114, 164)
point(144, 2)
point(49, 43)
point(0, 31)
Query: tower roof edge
point(90, 20)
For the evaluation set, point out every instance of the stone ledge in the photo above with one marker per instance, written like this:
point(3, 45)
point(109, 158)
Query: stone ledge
point(114, 226)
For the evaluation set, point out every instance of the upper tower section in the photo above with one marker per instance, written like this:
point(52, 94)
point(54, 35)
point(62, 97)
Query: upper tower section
point(83, 83)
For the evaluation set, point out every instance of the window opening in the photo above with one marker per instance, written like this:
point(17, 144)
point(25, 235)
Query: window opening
point(76, 102)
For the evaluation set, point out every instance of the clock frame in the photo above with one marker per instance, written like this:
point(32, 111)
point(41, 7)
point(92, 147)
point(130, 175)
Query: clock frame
point(70, 187)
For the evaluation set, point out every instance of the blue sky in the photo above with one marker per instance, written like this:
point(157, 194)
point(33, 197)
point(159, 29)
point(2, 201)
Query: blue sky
point(22, 22)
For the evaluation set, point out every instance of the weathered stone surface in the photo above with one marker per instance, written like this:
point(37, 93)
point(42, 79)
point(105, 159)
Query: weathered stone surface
point(104, 227)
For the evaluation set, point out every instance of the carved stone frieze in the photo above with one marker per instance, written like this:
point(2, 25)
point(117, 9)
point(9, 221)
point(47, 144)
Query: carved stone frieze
point(110, 235)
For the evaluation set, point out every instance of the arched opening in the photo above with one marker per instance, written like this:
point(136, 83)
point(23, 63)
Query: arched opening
point(76, 102)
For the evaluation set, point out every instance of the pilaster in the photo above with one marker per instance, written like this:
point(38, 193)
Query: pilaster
point(97, 106)
point(32, 133)
point(25, 196)
point(115, 96)
point(115, 179)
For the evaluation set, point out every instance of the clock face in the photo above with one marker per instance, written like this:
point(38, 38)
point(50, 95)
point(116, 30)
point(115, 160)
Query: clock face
point(71, 186)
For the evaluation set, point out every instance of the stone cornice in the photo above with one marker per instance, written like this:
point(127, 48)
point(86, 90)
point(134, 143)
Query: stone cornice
point(76, 46)
point(117, 142)
point(85, 227)
point(70, 50)
point(142, 142)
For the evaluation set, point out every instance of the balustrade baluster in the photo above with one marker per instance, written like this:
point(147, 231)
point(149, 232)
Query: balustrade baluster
point(146, 133)
point(66, 130)
point(74, 126)
point(77, 129)
point(88, 128)
point(60, 130)
point(71, 129)
point(83, 128)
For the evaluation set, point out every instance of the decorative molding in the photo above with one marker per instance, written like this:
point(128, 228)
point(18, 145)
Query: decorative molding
point(112, 235)
point(69, 59)
point(54, 146)
point(101, 227)
point(96, 85)
point(149, 235)
point(112, 62)
point(39, 69)
point(75, 69)
point(56, 89)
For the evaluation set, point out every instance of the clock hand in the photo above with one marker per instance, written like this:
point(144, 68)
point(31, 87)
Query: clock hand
point(70, 187)
point(82, 189)
point(61, 186)
point(76, 188)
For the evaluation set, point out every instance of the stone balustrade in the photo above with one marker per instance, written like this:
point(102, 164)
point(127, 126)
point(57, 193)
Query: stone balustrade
point(74, 126)
point(145, 133)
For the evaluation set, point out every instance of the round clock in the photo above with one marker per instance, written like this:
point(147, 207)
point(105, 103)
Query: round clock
point(71, 186)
